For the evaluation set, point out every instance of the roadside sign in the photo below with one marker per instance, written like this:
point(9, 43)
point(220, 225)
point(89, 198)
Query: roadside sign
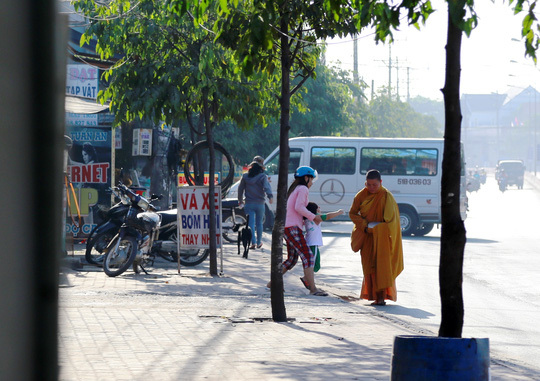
point(194, 218)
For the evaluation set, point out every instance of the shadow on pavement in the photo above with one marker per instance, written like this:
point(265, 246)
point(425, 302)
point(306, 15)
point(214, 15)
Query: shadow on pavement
point(413, 312)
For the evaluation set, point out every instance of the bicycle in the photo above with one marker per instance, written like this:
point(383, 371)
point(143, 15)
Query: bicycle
point(233, 218)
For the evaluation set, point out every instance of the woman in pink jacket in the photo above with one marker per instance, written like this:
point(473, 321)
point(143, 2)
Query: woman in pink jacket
point(297, 200)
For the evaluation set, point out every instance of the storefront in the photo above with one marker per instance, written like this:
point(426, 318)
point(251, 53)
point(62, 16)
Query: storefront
point(90, 159)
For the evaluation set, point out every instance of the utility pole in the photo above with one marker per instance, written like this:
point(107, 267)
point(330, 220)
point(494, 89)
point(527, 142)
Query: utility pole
point(535, 147)
point(389, 71)
point(397, 79)
point(408, 93)
point(355, 60)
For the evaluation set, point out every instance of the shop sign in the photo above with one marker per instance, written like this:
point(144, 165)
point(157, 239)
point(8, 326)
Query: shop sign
point(81, 120)
point(118, 137)
point(142, 142)
point(82, 81)
point(89, 169)
point(194, 216)
point(183, 182)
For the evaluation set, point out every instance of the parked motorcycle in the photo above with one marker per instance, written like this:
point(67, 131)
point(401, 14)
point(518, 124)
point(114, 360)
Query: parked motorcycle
point(133, 243)
point(102, 233)
point(165, 245)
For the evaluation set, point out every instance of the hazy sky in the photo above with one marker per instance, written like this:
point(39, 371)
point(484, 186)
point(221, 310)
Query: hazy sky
point(486, 55)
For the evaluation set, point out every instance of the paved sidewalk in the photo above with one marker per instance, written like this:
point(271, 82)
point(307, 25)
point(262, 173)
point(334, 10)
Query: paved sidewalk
point(532, 179)
point(166, 326)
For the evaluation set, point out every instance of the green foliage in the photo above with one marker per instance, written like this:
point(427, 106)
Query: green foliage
point(170, 63)
point(244, 145)
point(327, 107)
point(392, 118)
point(429, 107)
point(327, 101)
point(530, 27)
point(463, 15)
point(332, 109)
point(383, 15)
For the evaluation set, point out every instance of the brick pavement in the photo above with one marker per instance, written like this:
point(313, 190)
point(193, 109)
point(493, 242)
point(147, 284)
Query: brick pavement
point(165, 326)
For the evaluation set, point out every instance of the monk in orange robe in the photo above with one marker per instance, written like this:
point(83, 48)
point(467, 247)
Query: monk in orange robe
point(377, 234)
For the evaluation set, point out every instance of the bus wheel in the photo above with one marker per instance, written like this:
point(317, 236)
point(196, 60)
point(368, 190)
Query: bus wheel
point(408, 221)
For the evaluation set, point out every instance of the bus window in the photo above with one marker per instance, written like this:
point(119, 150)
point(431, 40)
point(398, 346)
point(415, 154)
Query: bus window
point(272, 165)
point(333, 160)
point(400, 161)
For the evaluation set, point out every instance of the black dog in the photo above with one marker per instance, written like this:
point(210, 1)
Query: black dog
point(244, 237)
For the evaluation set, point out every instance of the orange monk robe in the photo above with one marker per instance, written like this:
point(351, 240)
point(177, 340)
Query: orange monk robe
point(381, 248)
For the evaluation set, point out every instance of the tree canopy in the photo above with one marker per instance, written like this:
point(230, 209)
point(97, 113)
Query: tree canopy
point(390, 117)
point(169, 63)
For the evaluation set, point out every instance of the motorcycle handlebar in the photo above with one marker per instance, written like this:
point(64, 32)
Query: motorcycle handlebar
point(140, 201)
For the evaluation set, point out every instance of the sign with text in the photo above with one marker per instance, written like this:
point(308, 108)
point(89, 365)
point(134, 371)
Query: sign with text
point(118, 137)
point(83, 120)
point(142, 142)
point(182, 182)
point(82, 81)
point(89, 169)
point(194, 216)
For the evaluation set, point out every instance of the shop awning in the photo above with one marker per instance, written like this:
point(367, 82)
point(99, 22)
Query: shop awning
point(77, 105)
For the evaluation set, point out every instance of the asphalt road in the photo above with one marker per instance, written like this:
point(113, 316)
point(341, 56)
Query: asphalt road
point(500, 287)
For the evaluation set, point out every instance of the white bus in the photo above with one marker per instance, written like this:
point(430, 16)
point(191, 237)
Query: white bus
point(410, 168)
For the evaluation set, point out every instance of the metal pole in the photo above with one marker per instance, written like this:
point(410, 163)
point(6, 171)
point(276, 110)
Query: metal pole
point(530, 124)
point(389, 71)
point(355, 60)
point(535, 147)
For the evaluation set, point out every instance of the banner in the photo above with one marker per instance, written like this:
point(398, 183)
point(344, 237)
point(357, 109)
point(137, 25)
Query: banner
point(89, 169)
point(194, 216)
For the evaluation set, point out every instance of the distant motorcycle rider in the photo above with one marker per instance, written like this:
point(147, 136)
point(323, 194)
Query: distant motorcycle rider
point(503, 180)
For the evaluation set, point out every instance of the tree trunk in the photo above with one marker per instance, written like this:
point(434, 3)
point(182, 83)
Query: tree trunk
point(453, 229)
point(279, 313)
point(198, 159)
point(159, 179)
point(211, 186)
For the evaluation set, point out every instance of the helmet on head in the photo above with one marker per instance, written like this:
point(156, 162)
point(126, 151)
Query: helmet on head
point(306, 171)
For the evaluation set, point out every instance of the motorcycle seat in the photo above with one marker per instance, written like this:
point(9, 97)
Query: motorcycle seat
point(229, 203)
point(168, 216)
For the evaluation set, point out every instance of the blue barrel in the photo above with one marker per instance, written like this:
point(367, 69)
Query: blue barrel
point(417, 358)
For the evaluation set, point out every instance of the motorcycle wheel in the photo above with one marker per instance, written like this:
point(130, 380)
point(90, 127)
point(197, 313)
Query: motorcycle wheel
point(96, 246)
point(169, 256)
point(188, 257)
point(142, 263)
point(119, 259)
point(193, 257)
